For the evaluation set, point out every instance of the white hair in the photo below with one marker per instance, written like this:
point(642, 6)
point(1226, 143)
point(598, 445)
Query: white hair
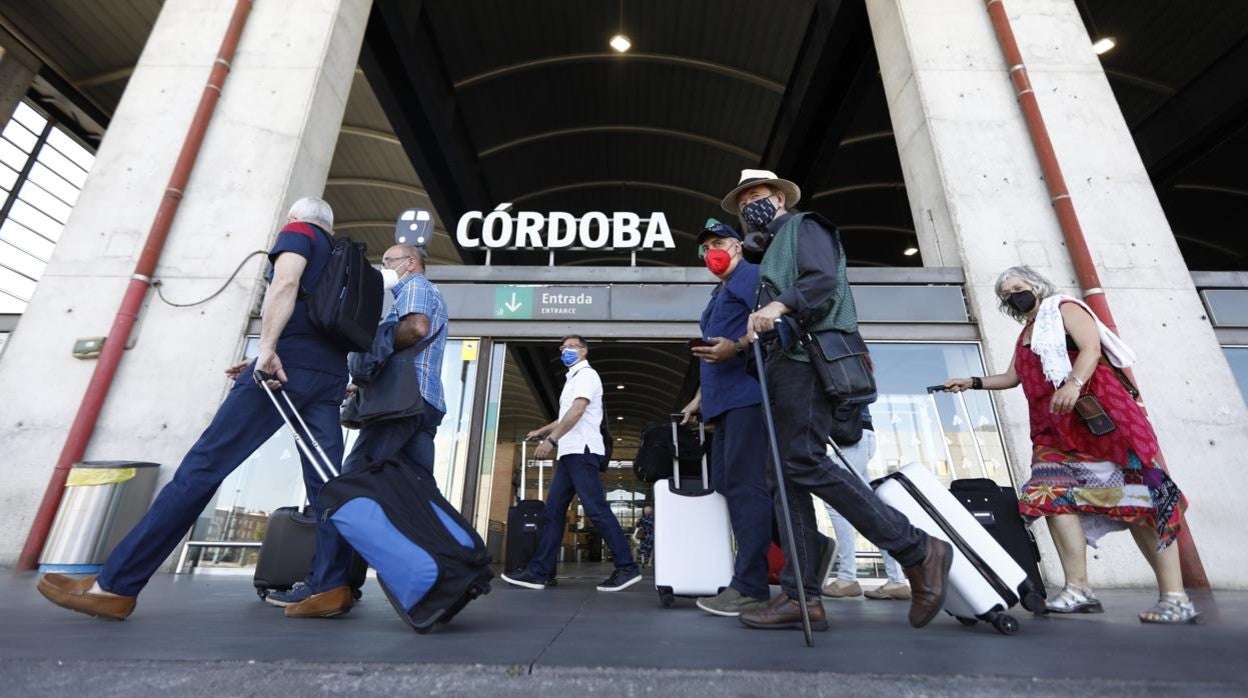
point(314, 211)
point(1043, 288)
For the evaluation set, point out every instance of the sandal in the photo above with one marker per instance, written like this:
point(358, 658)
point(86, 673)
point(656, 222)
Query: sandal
point(1072, 599)
point(1171, 609)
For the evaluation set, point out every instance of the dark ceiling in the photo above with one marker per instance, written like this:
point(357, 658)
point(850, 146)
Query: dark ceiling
point(524, 102)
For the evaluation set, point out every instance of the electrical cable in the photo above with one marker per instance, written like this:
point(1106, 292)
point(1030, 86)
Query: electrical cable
point(157, 283)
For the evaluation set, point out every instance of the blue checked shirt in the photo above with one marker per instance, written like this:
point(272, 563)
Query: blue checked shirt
point(416, 294)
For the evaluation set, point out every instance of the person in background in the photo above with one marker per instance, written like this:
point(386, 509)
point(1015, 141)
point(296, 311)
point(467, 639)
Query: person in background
point(1083, 484)
point(577, 437)
point(644, 535)
point(846, 585)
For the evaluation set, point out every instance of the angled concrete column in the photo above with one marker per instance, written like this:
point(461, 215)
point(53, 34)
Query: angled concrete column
point(269, 143)
point(979, 202)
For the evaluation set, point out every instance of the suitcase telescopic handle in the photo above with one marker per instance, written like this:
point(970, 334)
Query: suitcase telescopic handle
point(677, 418)
point(320, 461)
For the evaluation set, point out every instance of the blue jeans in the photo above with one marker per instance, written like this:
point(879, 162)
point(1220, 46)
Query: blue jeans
point(242, 424)
point(578, 474)
point(858, 455)
point(739, 472)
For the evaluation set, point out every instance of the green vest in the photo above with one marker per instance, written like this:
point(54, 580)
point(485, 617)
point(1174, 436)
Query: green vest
point(778, 272)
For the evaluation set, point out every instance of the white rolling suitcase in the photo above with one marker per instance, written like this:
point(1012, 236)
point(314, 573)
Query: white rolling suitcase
point(692, 534)
point(985, 581)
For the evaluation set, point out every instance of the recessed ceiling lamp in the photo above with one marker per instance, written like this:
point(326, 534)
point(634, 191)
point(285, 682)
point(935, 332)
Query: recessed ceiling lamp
point(619, 387)
point(1104, 45)
point(620, 42)
point(619, 419)
point(910, 251)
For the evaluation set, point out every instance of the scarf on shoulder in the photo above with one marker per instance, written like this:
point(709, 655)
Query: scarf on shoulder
point(1048, 340)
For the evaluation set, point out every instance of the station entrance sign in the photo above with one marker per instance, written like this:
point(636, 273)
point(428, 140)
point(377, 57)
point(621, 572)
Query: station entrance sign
point(552, 302)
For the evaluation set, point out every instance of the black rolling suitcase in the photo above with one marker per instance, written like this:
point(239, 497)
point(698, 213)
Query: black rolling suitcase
point(996, 509)
point(525, 520)
point(430, 562)
point(286, 553)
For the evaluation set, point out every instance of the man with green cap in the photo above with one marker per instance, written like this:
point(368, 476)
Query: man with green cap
point(729, 400)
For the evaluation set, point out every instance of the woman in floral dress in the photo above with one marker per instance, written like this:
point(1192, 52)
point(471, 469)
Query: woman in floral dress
point(1086, 485)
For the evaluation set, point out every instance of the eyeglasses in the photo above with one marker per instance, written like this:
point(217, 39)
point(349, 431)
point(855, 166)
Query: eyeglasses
point(387, 261)
point(566, 347)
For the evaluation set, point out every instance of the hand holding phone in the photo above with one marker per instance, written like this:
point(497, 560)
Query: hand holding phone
point(697, 343)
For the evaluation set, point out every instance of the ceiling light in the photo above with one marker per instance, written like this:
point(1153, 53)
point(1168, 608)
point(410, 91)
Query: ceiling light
point(910, 251)
point(620, 43)
point(1103, 45)
point(619, 387)
point(619, 419)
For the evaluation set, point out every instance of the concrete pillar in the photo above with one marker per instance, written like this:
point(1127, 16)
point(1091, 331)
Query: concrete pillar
point(269, 143)
point(18, 68)
point(979, 202)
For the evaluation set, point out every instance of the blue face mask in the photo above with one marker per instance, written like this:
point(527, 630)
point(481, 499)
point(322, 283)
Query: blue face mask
point(759, 213)
point(569, 356)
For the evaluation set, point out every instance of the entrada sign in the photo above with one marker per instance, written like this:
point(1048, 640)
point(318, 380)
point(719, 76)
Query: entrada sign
point(621, 230)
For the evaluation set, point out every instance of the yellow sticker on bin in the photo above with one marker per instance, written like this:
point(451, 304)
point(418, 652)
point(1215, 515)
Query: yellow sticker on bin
point(82, 477)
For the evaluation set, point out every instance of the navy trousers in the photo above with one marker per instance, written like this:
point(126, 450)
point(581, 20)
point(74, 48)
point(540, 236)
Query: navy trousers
point(242, 424)
point(409, 440)
point(578, 474)
point(739, 472)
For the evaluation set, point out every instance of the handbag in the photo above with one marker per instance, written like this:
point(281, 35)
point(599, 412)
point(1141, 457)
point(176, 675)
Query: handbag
point(1092, 414)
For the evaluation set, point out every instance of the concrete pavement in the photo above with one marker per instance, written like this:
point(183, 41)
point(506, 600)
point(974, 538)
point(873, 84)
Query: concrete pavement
point(209, 635)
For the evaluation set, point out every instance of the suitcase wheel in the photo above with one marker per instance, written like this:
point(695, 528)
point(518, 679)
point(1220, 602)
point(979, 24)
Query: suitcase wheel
point(1034, 602)
point(968, 622)
point(1005, 624)
point(262, 593)
point(666, 597)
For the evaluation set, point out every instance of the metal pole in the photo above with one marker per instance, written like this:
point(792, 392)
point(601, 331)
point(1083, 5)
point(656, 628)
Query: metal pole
point(784, 495)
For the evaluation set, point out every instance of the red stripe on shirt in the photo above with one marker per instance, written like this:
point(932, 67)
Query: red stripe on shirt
point(301, 228)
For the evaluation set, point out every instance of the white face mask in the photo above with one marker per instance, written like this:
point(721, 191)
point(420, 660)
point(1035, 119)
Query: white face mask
point(389, 278)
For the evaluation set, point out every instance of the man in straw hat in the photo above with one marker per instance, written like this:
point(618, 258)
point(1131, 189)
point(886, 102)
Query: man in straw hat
point(803, 291)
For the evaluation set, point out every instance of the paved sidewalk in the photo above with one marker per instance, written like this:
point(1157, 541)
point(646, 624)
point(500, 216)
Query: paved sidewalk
point(203, 635)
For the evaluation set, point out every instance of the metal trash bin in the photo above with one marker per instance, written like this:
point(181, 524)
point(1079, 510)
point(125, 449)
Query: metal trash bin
point(103, 501)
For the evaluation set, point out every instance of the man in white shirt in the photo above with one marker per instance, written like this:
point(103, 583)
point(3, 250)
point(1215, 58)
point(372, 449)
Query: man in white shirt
point(577, 435)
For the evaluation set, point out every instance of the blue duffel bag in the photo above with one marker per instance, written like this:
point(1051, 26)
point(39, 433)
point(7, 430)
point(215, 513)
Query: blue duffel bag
point(429, 560)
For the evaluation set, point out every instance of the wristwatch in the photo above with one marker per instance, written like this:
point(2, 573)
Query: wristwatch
point(740, 348)
point(552, 442)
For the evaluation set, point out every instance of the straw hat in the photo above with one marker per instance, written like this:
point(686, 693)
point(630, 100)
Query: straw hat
point(752, 178)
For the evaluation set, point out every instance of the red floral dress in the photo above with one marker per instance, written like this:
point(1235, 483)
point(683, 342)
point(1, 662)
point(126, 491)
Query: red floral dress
point(1111, 480)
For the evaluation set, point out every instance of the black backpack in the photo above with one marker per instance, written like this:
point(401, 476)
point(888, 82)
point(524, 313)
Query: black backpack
point(608, 443)
point(653, 461)
point(345, 305)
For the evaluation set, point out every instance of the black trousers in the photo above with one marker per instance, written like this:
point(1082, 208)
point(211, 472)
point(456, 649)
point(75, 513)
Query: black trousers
point(803, 416)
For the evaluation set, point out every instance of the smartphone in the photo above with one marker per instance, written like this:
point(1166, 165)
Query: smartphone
point(699, 342)
point(936, 388)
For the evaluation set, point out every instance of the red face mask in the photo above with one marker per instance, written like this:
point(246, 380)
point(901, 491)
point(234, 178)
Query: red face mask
point(718, 261)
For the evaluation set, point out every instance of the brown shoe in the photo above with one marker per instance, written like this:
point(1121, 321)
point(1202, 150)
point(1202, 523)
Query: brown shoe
point(784, 613)
point(74, 594)
point(326, 604)
point(928, 582)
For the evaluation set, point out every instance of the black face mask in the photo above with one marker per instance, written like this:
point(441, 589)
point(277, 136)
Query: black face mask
point(755, 246)
point(1022, 301)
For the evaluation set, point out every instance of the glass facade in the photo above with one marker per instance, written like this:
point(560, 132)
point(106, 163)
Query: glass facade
point(42, 169)
point(1237, 357)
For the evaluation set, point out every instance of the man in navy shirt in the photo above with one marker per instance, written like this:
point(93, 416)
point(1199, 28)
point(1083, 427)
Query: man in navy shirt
point(312, 370)
point(729, 400)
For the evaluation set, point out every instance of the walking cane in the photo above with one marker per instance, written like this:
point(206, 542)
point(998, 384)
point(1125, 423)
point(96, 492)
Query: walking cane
point(784, 495)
